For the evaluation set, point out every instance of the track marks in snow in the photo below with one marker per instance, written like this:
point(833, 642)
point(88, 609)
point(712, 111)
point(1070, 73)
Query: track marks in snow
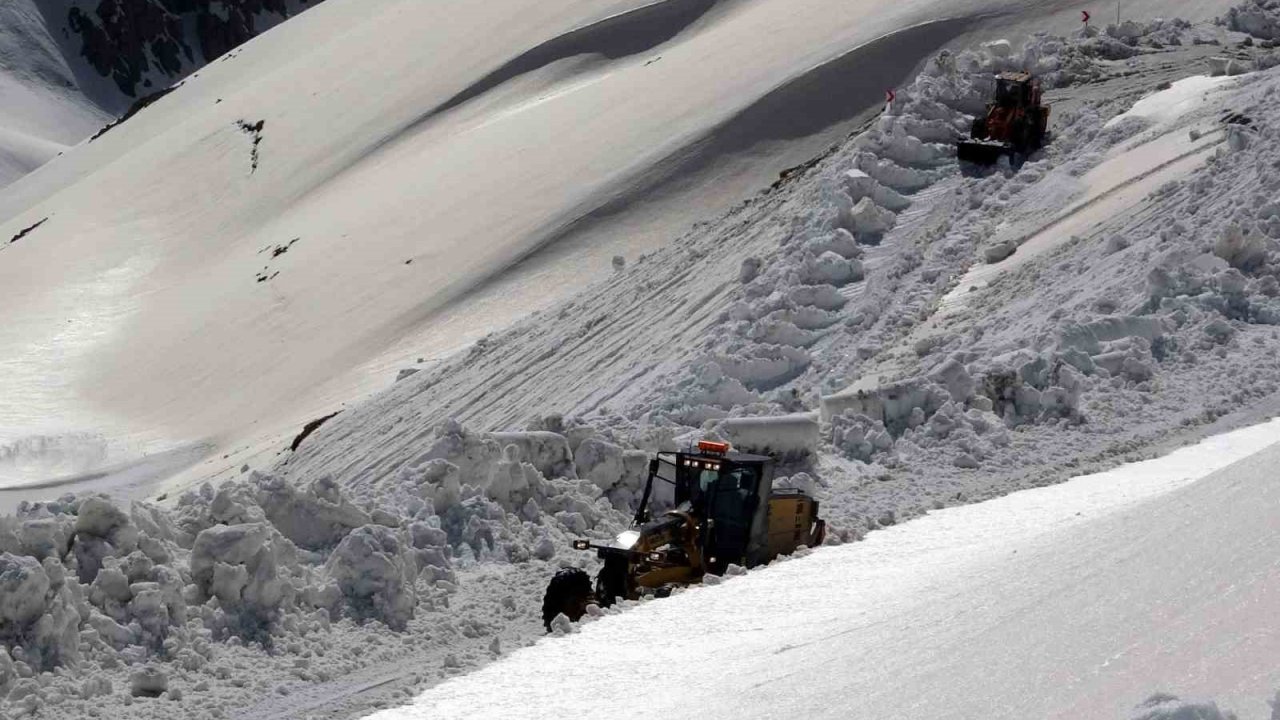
point(1117, 186)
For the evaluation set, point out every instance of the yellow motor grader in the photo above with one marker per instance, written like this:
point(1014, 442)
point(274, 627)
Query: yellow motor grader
point(701, 511)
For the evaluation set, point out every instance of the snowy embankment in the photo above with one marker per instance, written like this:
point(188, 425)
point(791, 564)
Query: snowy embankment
point(140, 318)
point(1080, 600)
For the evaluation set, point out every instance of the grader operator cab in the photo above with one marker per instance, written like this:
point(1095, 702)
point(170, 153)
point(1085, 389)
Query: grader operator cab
point(701, 511)
point(1016, 122)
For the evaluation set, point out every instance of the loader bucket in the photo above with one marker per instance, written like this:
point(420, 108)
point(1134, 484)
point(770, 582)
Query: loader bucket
point(979, 153)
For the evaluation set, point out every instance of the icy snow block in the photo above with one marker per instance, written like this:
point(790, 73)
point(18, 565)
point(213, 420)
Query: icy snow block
point(1241, 249)
point(998, 48)
point(868, 218)
point(239, 565)
point(839, 241)
point(763, 367)
point(600, 462)
point(376, 575)
point(832, 269)
point(890, 404)
point(23, 587)
point(39, 538)
point(993, 254)
point(148, 681)
point(316, 517)
point(1256, 21)
point(890, 174)
point(547, 451)
point(37, 612)
point(825, 297)
point(1089, 337)
point(97, 516)
point(787, 436)
point(953, 376)
point(861, 185)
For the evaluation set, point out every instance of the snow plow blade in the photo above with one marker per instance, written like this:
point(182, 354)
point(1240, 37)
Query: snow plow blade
point(980, 153)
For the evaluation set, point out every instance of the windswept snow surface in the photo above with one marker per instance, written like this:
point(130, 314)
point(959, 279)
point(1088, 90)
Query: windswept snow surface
point(1168, 105)
point(245, 250)
point(1074, 601)
point(41, 112)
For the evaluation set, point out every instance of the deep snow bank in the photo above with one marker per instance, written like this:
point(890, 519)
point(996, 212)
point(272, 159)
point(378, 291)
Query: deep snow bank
point(156, 602)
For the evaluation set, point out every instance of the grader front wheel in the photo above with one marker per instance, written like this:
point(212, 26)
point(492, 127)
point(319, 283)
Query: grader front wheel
point(570, 593)
point(612, 584)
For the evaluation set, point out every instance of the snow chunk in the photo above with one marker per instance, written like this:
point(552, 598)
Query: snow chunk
point(547, 451)
point(246, 568)
point(1241, 249)
point(1255, 19)
point(861, 185)
point(763, 367)
point(37, 611)
point(787, 436)
point(315, 517)
point(376, 575)
point(829, 268)
point(871, 220)
point(148, 681)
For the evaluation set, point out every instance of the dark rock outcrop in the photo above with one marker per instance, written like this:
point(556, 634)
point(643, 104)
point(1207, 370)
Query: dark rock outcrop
point(142, 44)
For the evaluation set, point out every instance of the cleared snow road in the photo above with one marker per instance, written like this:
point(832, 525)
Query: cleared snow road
point(1073, 601)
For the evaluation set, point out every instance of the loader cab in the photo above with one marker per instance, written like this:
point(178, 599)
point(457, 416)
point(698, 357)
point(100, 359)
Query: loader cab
point(1016, 90)
point(727, 491)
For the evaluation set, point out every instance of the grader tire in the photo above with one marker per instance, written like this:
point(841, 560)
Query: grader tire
point(611, 583)
point(570, 593)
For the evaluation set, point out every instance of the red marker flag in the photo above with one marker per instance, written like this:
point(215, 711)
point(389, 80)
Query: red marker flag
point(1085, 16)
point(890, 96)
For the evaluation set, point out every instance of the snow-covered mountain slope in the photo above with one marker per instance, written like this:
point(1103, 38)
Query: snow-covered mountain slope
point(347, 193)
point(68, 67)
point(41, 111)
point(1080, 600)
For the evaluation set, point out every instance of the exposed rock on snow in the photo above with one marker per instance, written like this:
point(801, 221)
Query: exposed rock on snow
point(1163, 706)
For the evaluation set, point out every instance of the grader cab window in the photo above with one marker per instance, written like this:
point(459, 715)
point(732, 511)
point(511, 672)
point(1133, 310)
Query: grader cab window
point(732, 507)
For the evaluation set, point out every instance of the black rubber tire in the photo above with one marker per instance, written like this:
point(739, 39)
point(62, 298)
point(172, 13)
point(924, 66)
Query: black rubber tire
point(611, 582)
point(978, 131)
point(569, 592)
